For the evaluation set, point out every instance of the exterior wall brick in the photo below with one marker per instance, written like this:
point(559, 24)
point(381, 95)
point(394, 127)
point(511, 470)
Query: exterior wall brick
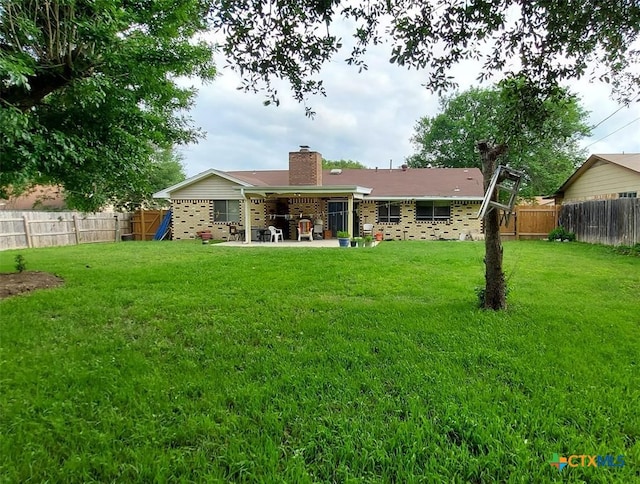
point(461, 222)
point(309, 208)
point(191, 216)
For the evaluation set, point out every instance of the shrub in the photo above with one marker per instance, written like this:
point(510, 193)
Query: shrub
point(628, 250)
point(21, 264)
point(560, 233)
point(343, 234)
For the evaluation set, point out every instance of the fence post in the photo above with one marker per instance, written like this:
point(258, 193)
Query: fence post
point(27, 232)
point(117, 229)
point(76, 228)
point(143, 227)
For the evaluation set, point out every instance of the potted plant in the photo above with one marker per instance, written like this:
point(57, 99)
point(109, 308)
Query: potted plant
point(343, 238)
point(368, 241)
point(379, 236)
point(359, 241)
point(354, 242)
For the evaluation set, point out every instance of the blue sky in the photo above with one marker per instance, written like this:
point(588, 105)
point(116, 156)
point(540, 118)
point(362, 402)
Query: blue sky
point(368, 117)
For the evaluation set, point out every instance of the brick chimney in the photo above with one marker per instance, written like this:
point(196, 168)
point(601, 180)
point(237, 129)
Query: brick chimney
point(305, 167)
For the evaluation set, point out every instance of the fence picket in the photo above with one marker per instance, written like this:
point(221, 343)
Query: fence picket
point(609, 222)
point(23, 229)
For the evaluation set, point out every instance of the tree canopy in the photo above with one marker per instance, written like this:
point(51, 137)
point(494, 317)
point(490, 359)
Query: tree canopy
point(88, 91)
point(328, 164)
point(548, 152)
point(546, 42)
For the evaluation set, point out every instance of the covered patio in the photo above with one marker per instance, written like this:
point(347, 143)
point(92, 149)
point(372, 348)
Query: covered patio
point(286, 205)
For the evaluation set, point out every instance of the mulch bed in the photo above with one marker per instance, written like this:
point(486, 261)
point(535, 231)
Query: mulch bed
point(14, 283)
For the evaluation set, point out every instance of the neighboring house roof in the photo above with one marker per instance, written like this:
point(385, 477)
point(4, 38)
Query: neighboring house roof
point(38, 197)
point(375, 183)
point(630, 161)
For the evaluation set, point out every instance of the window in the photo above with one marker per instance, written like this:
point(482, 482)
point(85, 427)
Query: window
point(628, 195)
point(226, 210)
point(433, 211)
point(388, 212)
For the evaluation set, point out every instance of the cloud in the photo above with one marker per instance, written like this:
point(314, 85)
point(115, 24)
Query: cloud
point(368, 117)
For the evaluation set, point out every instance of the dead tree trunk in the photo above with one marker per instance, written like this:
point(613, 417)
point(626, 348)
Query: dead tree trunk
point(495, 296)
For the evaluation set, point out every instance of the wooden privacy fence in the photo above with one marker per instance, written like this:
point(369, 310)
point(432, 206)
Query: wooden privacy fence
point(531, 222)
point(609, 222)
point(23, 229)
point(145, 223)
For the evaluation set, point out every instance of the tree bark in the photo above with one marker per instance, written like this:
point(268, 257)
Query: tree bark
point(495, 296)
point(44, 82)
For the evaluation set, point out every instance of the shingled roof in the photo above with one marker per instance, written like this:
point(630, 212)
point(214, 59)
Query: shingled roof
point(396, 183)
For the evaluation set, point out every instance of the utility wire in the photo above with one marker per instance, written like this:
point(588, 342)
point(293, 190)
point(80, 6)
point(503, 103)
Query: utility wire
point(620, 108)
point(613, 132)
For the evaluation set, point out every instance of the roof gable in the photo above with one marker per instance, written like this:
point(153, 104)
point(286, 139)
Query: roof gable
point(630, 161)
point(166, 193)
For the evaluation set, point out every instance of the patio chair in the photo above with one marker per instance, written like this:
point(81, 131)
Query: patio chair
point(233, 232)
point(275, 233)
point(367, 229)
point(305, 229)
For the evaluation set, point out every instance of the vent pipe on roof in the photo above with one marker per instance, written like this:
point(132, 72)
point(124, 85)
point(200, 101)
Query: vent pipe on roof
point(335, 171)
point(404, 167)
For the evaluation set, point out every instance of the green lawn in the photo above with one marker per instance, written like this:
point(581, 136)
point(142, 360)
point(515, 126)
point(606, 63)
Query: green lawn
point(183, 362)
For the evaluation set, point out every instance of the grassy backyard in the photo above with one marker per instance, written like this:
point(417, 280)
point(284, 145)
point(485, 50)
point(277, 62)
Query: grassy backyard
point(185, 362)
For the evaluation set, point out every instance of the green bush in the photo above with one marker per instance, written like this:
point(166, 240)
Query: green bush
point(343, 234)
point(560, 233)
point(628, 250)
point(21, 264)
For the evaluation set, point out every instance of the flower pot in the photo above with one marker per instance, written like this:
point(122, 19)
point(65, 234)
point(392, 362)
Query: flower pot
point(379, 236)
point(343, 242)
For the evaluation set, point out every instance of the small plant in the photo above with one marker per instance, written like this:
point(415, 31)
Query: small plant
point(21, 264)
point(561, 234)
point(368, 240)
point(342, 234)
point(628, 250)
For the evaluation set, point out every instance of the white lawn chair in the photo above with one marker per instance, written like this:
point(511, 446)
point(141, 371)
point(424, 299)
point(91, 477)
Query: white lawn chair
point(275, 233)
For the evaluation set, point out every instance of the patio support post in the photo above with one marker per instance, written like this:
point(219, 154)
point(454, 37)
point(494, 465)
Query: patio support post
point(247, 218)
point(350, 216)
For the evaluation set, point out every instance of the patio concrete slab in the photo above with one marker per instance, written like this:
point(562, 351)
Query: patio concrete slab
point(315, 244)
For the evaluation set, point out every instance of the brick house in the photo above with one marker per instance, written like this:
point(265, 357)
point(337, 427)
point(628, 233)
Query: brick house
point(403, 204)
